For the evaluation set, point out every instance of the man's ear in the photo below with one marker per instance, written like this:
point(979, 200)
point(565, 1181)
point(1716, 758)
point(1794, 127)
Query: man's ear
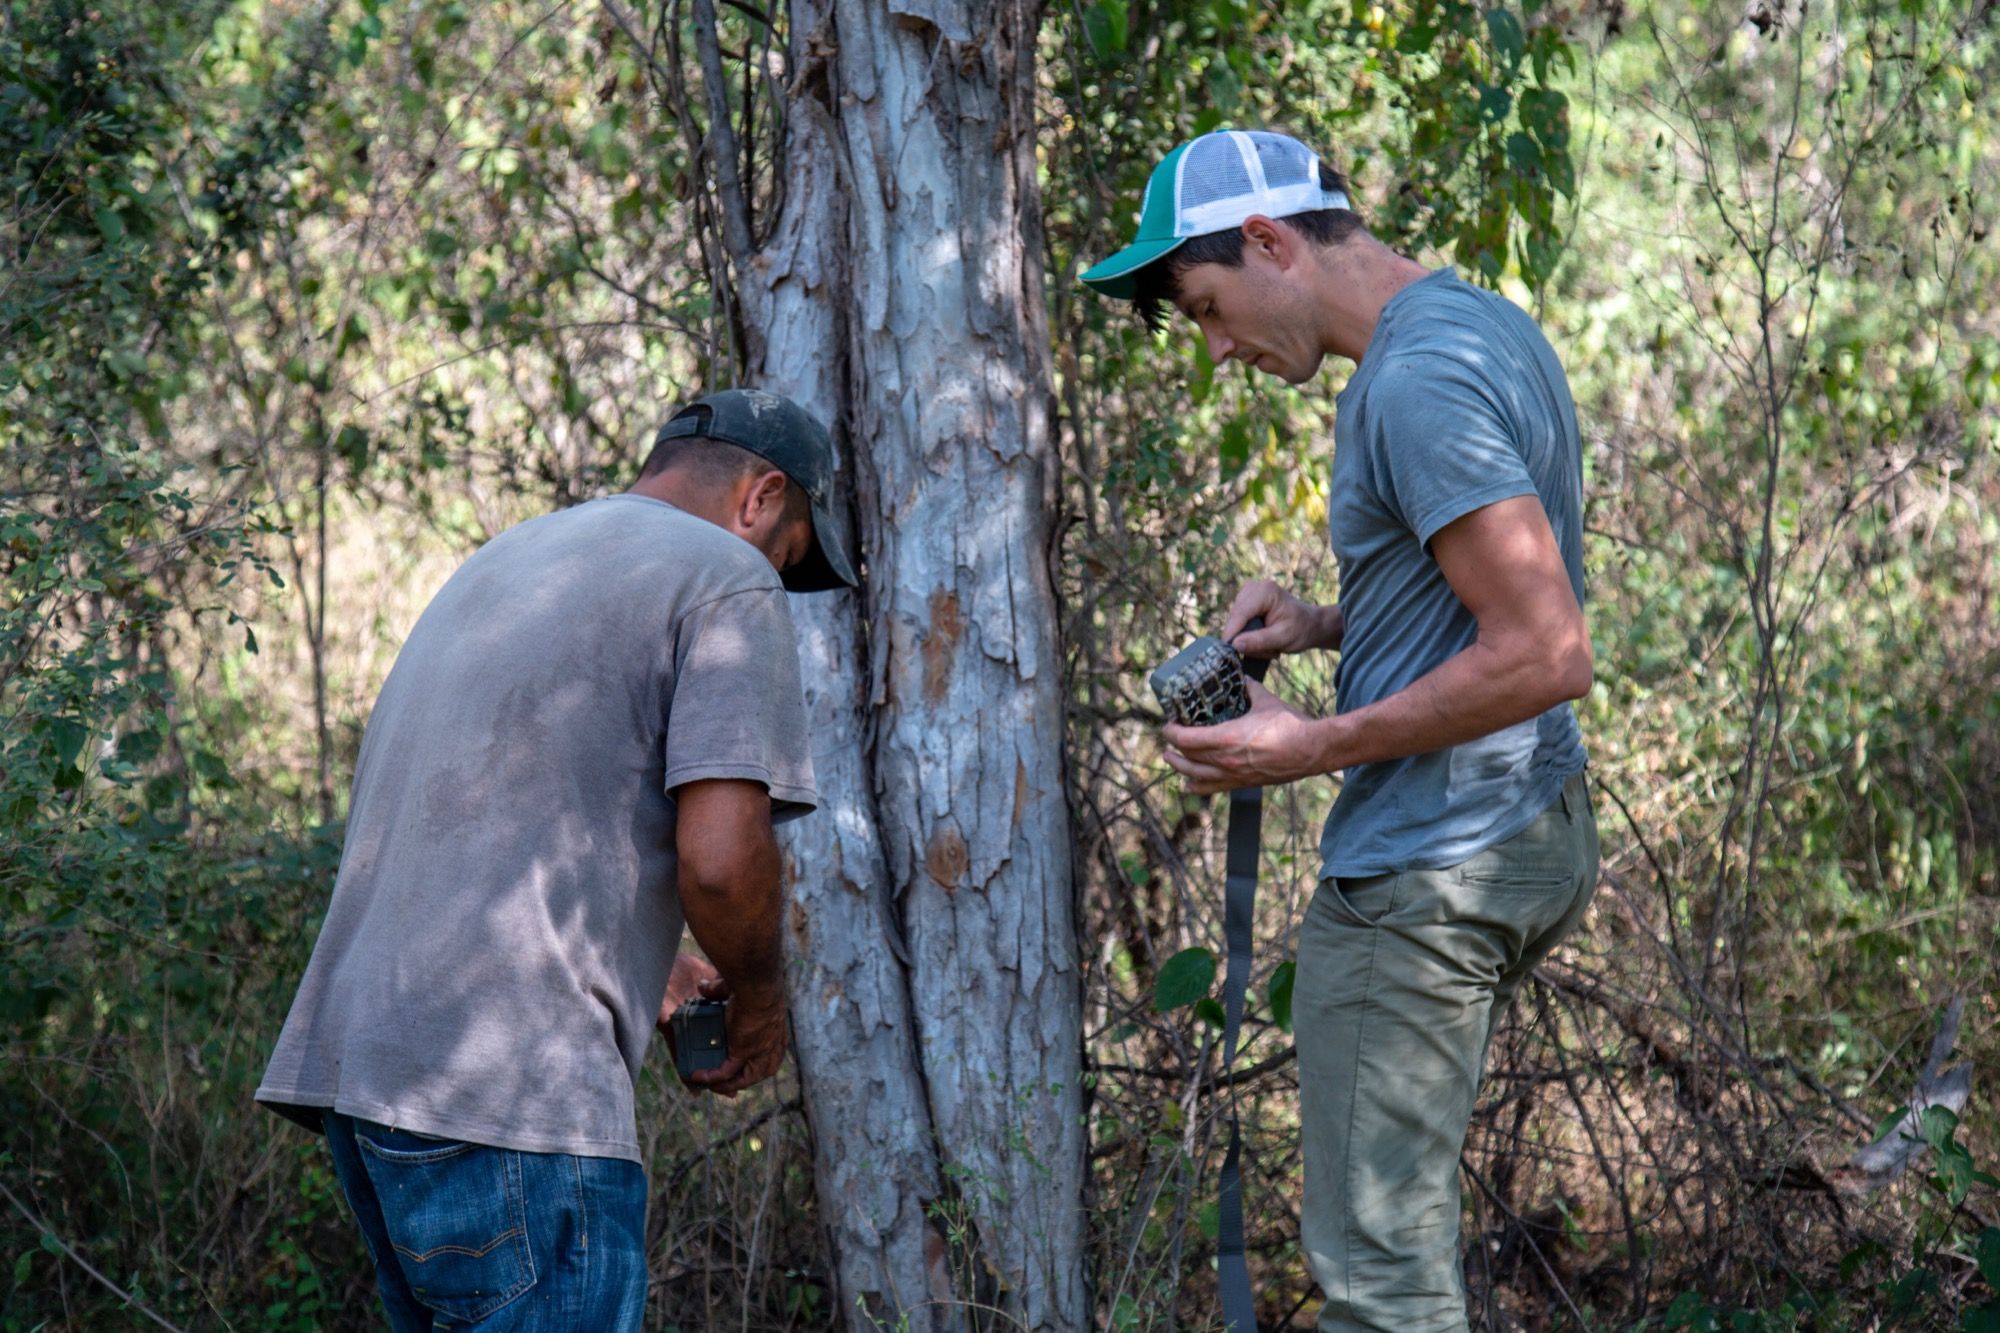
point(1265, 237)
point(766, 493)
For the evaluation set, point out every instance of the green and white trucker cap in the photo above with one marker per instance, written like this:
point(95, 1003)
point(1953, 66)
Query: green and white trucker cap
point(1215, 183)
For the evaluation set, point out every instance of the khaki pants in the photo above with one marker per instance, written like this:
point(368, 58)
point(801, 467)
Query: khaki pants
point(1401, 981)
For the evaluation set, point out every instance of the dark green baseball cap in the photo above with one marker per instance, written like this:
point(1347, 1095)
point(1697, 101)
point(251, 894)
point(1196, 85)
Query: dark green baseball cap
point(786, 436)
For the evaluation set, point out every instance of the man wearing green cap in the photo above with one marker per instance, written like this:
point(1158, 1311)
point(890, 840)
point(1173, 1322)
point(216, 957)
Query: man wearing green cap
point(583, 745)
point(1462, 847)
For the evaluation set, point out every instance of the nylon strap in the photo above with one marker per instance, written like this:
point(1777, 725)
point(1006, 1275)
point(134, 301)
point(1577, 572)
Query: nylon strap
point(1245, 840)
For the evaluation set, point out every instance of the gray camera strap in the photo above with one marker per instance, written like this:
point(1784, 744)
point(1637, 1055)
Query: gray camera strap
point(1239, 914)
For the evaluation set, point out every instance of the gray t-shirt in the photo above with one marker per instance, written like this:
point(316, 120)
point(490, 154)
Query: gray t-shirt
point(506, 911)
point(1458, 403)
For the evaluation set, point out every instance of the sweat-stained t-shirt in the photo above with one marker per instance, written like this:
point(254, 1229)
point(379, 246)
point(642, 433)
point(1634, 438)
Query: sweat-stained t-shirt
point(1458, 403)
point(506, 912)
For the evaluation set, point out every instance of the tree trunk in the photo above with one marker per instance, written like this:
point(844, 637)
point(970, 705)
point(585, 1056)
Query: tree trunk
point(934, 978)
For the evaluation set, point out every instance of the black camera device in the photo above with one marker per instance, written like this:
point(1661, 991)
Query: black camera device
point(1203, 683)
point(701, 1036)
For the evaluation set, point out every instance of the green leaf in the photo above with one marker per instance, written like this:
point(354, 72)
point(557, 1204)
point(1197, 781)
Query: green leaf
point(352, 444)
point(1524, 154)
point(1187, 977)
point(136, 747)
point(1545, 115)
point(1939, 1124)
point(1562, 174)
point(1887, 1125)
point(353, 332)
point(1981, 1319)
point(69, 736)
point(1955, 1171)
point(1986, 1249)
point(1106, 24)
point(1494, 104)
point(1224, 86)
point(1689, 1310)
point(1234, 447)
point(1209, 1010)
point(1281, 995)
point(109, 224)
point(1508, 39)
point(212, 769)
point(1416, 39)
point(1910, 1289)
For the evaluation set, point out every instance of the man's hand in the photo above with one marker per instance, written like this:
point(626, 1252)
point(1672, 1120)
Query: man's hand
point(1270, 744)
point(1291, 624)
point(691, 977)
point(759, 1035)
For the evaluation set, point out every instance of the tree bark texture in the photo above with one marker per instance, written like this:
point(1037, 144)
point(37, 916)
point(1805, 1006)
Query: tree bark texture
point(934, 977)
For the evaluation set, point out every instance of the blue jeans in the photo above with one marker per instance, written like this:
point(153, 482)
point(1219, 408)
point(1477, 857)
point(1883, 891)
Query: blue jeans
point(470, 1237)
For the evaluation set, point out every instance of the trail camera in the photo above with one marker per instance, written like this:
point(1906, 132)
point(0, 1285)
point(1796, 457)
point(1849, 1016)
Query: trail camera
point(1202, 684)
point(701, 1036)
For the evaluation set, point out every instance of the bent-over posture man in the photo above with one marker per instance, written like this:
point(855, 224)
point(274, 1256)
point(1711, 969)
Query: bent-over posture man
point(584, 743)
point(1462, 847)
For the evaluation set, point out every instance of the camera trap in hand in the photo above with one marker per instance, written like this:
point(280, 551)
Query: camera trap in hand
point(701, 1036)
point(1202, 684)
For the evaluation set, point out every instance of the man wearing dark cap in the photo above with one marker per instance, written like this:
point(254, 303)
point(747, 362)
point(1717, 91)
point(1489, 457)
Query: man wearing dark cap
point(1462, 848)
point(583, 746)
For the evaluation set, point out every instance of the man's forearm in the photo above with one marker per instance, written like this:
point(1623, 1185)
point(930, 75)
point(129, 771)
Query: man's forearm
point(1332, 624)
point(1474, 693)
point(736, 917)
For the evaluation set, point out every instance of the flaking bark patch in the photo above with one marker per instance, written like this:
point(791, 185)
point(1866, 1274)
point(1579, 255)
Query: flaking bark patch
point(946, 859)
point(941, 644)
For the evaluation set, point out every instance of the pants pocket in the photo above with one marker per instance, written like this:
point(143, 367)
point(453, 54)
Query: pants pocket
point(1542, 860)
point(1529, 879)
point(1359, 902)
point(456, 1215)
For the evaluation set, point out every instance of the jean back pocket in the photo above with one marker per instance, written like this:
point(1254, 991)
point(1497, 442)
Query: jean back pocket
point(456, 1215)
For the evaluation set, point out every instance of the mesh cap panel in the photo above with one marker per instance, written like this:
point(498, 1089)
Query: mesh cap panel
point(1285, 161)
point(1230, 175)
point(1213, 170)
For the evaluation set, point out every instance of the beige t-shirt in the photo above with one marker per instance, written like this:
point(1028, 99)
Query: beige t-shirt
point(506, 911)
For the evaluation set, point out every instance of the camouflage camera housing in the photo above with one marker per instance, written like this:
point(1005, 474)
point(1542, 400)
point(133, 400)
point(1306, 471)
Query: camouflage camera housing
point(701, 1036)
point(1202, 684)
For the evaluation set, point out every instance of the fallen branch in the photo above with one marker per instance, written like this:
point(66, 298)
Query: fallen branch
point(1889, 1156)
point(1175, 1074)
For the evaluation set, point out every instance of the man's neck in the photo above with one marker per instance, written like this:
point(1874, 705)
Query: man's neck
point(1356, 282)
point(679, 491)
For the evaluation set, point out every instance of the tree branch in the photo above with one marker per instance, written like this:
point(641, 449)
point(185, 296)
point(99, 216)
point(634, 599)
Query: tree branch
point(736, 233)
point(84, 1264)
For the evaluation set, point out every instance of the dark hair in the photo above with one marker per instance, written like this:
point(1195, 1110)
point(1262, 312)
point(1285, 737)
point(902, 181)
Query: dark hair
point(1159, 283)
point(717, 464)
